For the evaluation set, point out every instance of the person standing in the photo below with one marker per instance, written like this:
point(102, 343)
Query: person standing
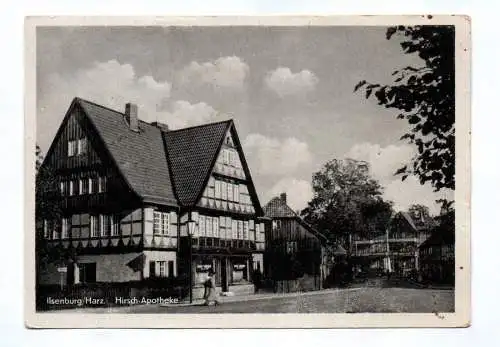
point(211, 290)
point(257, 279)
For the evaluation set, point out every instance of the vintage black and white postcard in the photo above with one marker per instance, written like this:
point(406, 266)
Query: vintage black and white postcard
point(251, 172)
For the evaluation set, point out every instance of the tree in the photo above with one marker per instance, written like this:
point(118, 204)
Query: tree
point(347, 201)
point(425, 97)
point(47, 213)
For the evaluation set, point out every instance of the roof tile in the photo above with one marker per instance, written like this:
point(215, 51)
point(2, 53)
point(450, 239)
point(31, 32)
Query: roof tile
point(140, 156)
point(192, 153)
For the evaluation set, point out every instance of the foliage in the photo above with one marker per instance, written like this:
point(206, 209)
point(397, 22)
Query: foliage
point(425, 97)
point(47, 207)
point(347, 201)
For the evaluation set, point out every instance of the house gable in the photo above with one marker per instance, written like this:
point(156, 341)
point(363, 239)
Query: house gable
point(80, 160)
point(229, 186)
point(74, 145)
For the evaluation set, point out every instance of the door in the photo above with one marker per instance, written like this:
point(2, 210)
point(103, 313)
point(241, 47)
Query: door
point(223, 273)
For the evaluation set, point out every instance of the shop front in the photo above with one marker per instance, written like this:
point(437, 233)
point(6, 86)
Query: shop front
point(232, 273)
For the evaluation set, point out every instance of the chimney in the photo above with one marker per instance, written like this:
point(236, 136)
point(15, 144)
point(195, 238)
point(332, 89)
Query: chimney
point(162, 126)
point(131, 116)
point(283, 198)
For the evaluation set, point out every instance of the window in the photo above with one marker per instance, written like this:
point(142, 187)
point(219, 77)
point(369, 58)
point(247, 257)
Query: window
point(235, 229)
point(240, 229)
point(222, 227)
point(94, 226)
point(228, 227)
point(171, 270)
point(84, 186)
point(245, 230)
point(65, 225)
point(230, 191)
point(216, 226)
point(87, 272)
point(82, 145)
point(71, 188)
point(90, 185)
point(225, 153)
point(104, 225)
point(53, 230)
point(156, 222)
point(236, 193)
point(114, 225)
point(202, 225)
point(165, 221)
point(102, 184)
point(94, 185)
point(217, 189)
point(161, 221)
point(71, 148)
point(209, 226)
point(223, 187)
point(61, 187)
point(162, 268)
point(46, 233)
point(291, 247)
point(152, 269)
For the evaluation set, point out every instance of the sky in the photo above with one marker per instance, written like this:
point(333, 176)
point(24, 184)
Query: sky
point(288, 89)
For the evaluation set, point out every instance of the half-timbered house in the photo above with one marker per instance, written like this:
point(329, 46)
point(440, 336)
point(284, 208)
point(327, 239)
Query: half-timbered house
point(140, 201)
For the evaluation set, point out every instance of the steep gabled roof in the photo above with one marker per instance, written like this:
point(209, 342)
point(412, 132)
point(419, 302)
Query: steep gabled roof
point(140, 156)
point(276, 208)
point(426, 224)
point(167, 167)
point(192, 153)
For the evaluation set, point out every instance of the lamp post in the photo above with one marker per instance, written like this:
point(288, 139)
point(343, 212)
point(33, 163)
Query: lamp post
point(191, 224)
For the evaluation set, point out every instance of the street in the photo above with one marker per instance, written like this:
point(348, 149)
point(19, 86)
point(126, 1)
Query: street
point(355, 300)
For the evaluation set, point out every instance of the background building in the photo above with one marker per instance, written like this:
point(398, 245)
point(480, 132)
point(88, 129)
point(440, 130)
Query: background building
point(437, 257)
point(397, 248)
point(298, 257)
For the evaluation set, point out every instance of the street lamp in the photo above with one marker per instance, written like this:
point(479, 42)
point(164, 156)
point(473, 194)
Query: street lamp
point(191, 225)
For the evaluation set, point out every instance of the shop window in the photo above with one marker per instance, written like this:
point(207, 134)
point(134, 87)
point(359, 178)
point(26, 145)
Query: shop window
point(152, 269)
point(88, 272)
point(171, 271)
point(162, 268)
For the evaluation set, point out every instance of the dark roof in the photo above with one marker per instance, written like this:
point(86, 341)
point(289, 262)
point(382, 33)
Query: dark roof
point(277, 208)
point(439, 237)
point(339, 250)
point(140, 156)
point(192, 153)
point(161, 166)
point(426, 224)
